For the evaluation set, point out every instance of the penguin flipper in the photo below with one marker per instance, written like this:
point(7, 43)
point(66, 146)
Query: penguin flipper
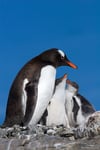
point(31, 92)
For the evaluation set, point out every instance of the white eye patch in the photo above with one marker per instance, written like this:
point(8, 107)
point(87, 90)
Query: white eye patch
point(61, 53)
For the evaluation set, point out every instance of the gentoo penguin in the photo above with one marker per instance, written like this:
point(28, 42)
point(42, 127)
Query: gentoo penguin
point(33, 87)
point(56, 113)
point(78, 108)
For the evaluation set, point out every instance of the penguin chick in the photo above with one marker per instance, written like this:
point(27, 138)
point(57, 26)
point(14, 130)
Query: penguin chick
point(56, 114)
point(78, 108)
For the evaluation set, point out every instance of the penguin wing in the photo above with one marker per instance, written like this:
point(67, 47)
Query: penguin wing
point(75, 108)
point(31, 92)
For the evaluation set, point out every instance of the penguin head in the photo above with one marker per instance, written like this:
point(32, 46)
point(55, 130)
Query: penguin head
point(61, 80)
point(57, 58)
point(72, 86)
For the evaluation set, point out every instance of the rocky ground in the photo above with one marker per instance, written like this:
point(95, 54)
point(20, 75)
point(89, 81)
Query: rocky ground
point(46, 138)
point(52, 138)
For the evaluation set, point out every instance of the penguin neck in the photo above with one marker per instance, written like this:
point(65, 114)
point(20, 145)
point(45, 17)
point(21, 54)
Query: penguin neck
point(47, 61)
point(70, 92)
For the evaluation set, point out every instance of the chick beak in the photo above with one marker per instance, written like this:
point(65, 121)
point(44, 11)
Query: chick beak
point(64, 77)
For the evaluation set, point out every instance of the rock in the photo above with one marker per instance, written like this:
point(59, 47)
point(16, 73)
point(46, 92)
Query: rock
point(56, 138)
point(48, 142)
point(91, 127)
point(51, 132)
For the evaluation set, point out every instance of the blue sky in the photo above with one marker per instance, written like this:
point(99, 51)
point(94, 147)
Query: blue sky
point(29, 27)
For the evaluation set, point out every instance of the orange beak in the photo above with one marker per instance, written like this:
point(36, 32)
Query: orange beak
point(69, 63)
point(65, 76)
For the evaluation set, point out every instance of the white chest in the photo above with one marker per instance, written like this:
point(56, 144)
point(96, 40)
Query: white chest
point(69, 107)
point(69, 102)
point(56, 110)
point(45, 91)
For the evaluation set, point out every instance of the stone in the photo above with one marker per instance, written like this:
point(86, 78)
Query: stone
point(53, 138)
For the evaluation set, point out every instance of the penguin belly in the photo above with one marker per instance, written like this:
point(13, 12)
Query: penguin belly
point(57, 114)
point(45, 90)
point(69, 108)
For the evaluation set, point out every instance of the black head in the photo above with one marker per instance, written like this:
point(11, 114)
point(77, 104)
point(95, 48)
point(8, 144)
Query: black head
point(57, 58)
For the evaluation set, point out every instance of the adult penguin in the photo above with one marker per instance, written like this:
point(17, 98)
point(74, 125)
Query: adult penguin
point(33, 88)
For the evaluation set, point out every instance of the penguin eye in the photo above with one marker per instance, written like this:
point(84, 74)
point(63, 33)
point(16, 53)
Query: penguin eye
point(62, 57)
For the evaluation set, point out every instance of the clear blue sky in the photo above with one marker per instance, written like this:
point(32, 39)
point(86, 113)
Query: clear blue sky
point(29, 27)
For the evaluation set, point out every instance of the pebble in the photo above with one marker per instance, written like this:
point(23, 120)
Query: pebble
point(90, 129)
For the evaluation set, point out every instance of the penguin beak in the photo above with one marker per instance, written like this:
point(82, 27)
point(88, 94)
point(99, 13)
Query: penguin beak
point(65, 76)
point(70, 64)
